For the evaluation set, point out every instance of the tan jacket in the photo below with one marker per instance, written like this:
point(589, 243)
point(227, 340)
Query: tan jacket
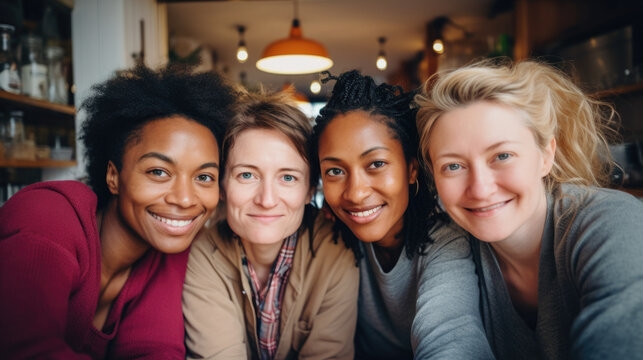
point(319, 309)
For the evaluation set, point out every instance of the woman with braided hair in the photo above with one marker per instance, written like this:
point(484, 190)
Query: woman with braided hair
point(418, 287)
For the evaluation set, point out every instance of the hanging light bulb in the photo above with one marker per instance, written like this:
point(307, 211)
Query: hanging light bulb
point(381, 62)
point(242, 52)
point(438, 46)
point(295, 54)
point(315, 87)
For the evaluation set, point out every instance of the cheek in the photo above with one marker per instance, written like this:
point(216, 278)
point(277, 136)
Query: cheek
point(332, 192)
point(296, 198)
point(210, 198)
point(449, 190)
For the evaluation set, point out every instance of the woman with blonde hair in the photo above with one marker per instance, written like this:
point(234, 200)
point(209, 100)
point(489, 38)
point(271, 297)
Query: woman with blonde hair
point(518, 155)
point(269, 282)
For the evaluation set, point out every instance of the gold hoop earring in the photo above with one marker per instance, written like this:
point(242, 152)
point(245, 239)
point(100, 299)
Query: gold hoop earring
point(417, 187)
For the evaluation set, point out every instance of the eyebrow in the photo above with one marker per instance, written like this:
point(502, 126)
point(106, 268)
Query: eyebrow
point(257, 168)
point(170, 161)
point(374, 148)
point(489, 148)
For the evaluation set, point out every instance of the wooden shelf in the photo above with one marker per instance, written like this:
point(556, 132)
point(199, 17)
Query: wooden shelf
point(620, 90)
point(36, 103)
point(36, 163)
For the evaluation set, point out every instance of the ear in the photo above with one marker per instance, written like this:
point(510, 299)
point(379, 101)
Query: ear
point(112, 178)
point(548, 157)
point(413, 171)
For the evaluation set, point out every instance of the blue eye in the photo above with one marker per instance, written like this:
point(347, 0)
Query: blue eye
point(289, 178)
point(246, 175)
point(453, 167)
point(503, 156)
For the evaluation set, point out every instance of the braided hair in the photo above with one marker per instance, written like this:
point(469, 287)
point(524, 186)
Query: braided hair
point(354, 91)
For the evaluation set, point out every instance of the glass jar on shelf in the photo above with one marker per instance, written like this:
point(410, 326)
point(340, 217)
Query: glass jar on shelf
point(33, 69)
point(57, 91)
point(9, 77)
point(15, 128)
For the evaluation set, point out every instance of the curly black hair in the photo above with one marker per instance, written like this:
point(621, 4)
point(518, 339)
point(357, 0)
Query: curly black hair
point(354, 91)
point(118, 108)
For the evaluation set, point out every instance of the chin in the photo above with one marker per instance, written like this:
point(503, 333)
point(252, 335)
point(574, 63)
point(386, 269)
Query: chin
point(172, 247)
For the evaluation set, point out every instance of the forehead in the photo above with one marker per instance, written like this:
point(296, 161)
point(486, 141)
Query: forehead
point(356, 130)
point(169, 132)
point(264, 147)
point(478, 125)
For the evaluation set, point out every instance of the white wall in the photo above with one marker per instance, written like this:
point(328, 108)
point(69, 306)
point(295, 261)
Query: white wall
point(104, 35)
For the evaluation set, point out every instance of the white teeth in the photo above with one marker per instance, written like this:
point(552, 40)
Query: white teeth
point(175, 223)
point(490, 207)
point(365, 213)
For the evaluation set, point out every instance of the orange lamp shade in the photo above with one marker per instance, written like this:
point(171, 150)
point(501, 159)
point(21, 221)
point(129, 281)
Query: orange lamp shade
point(294, 55)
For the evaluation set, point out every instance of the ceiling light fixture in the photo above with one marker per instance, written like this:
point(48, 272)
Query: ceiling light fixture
point(295, 54)
point(438, 46)
point(381, 56)
point(315, 87)
point(437, 31)
point(242, 51)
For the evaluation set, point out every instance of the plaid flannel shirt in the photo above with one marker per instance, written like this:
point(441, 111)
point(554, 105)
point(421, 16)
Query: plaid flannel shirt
point(268, 301)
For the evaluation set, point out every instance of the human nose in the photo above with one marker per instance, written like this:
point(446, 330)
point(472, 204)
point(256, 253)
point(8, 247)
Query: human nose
point(357, 189)
point(266, 195)
point(182, 193)
point(482, 183)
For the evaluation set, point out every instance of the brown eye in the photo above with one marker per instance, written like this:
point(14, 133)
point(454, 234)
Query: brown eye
point(205, 178)
point(334, 172)
point(158, 172)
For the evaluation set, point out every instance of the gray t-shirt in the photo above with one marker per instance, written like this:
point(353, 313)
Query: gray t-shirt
point(590, 283)
point(427, 305)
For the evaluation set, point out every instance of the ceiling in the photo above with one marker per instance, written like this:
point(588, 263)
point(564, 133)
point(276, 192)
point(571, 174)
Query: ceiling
point(349, 30)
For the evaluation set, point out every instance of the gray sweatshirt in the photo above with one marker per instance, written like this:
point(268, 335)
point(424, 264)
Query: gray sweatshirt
point(427, 306)
point(590, 283)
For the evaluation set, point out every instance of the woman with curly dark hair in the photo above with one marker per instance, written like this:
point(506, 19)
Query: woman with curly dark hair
point(96, 273)
point(418, 287)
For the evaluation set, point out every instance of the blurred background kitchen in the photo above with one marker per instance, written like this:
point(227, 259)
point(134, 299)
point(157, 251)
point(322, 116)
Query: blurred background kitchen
point(53, 51)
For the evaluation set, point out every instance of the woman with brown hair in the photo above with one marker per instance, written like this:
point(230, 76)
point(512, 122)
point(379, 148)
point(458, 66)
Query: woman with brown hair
point(268, 281)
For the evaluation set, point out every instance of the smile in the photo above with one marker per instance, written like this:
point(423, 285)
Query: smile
point(365, 213)
point(489, 208)
point(172, 222)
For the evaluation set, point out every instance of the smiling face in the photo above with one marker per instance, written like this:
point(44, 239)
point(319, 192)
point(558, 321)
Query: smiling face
point(488, 171)
point(167, 186)
point(266, 186)
point(366, 177)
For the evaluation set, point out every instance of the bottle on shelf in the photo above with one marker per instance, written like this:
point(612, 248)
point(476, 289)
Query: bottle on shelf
point(20, 146)
point(33, 69)
point(57, 91)
point(9, 77)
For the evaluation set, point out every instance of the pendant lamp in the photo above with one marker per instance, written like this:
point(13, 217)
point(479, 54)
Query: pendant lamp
point(295, 54)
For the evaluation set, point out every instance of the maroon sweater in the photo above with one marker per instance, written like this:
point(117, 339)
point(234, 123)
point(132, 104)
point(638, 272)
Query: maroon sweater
point(50, 277)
